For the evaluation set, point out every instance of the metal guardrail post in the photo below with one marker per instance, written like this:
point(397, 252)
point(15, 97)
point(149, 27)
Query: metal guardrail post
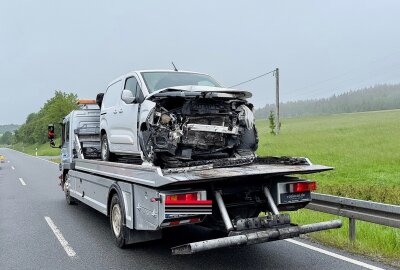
point(352, 229)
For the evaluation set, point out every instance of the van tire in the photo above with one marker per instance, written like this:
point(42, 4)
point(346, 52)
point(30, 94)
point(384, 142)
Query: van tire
point(117, 222)
point(106, 155)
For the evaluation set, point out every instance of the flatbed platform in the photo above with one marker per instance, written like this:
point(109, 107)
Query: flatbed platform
point(153, 176)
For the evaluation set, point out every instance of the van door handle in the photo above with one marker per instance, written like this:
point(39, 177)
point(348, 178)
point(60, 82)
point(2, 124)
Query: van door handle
point(121, 111)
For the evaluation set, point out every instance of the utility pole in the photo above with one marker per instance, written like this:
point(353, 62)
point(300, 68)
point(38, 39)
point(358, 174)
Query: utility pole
point(277, 121)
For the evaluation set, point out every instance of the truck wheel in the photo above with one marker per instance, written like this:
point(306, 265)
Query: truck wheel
point(105, 149)
point(117, 221)
point(68, 197)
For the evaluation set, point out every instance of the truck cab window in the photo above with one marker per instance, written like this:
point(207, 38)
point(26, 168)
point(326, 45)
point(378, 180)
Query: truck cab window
point(62, 134)
point(66, 136)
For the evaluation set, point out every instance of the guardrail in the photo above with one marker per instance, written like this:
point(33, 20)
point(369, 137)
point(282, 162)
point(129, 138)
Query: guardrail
point(378, 213)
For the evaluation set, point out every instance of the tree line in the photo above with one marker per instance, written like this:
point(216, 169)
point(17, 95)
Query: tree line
point(34, 130)
point(375, 98)
point(10, 127)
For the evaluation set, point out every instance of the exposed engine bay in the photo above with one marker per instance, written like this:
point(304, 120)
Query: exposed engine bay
point(190, 131)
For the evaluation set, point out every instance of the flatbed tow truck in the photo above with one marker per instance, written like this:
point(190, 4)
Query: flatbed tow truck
point(142, 200)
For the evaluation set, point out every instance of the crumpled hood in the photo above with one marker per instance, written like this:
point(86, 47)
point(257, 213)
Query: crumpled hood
point(187, 89)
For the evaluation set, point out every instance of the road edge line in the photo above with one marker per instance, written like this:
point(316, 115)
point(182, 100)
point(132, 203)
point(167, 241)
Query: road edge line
point(332, 254)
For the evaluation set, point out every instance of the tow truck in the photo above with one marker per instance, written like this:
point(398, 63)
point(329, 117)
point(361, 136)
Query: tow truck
point(141, 200)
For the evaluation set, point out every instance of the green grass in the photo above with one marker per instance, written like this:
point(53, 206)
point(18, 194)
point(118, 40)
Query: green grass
point(364, 148)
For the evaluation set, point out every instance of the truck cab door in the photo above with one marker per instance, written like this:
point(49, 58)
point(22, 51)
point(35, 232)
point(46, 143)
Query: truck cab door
point(128, 117)
point(66, 151)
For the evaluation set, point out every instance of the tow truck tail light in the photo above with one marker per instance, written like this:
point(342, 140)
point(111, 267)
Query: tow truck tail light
point(193, 198)
point(182, 197)
point(302, 187)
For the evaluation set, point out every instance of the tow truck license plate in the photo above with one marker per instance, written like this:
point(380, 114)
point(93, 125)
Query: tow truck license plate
point(295, 197)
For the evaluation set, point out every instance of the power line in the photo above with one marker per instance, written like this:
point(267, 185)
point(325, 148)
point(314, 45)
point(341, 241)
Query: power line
point(252, 79)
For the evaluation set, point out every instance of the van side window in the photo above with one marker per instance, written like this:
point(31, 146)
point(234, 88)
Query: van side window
point(112, 95)
point(133, 85)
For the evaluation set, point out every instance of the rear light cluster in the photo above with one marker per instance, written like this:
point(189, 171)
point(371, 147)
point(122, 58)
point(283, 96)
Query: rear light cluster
point(302, 187)
point(186, 199)
point(182, 197)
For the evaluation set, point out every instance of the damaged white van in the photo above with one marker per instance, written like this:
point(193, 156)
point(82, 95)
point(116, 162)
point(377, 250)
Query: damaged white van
point(176, 119)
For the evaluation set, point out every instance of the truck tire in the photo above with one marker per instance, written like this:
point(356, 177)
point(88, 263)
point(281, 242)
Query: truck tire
point(70, 200)
point(117, 221)
point(106, 155)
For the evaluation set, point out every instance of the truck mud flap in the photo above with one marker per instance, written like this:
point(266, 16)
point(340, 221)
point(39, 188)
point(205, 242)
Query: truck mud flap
point(254, 237)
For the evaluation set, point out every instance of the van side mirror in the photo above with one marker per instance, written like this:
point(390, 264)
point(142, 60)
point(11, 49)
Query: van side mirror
point(127, 96)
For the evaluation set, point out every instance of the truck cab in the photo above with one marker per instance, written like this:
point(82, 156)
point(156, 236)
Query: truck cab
point(80, 134)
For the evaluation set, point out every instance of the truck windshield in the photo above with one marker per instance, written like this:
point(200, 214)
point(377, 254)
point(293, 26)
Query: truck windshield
point(159, 80)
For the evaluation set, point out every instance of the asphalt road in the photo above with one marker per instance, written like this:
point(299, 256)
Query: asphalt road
point(29, 192)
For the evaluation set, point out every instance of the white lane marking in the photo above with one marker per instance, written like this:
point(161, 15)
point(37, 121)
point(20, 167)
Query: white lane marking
point(337, 256)
point(12, 167)
point(68, 249)
point(22, 181)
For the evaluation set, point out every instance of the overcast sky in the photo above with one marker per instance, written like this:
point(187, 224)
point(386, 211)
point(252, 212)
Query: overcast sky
point(321, 47)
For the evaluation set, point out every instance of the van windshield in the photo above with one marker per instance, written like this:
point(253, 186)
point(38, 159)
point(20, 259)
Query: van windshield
point(159, 80)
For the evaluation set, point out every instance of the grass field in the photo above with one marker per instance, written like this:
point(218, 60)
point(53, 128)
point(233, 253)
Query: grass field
point(364, 148)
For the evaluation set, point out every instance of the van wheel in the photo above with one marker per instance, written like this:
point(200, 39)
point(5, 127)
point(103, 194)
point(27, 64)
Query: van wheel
point(117, 221)
point(106, 155)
